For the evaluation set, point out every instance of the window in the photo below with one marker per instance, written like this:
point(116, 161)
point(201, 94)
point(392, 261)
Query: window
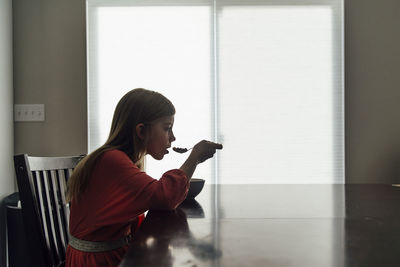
point(265, 78)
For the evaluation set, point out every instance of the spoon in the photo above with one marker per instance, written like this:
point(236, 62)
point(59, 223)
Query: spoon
point(181, 149)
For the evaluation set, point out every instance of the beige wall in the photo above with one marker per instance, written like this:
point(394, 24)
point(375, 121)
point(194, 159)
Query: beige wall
point(50, 68)
point(372, 91)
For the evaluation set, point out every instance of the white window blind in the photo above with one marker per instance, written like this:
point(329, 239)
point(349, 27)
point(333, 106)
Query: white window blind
point(265, 78)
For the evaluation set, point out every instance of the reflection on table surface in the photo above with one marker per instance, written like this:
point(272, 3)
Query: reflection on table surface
point(274, 225)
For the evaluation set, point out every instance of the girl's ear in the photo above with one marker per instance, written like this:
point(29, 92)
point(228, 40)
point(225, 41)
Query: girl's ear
point(140, 131)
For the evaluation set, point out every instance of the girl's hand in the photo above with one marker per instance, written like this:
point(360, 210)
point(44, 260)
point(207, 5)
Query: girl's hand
point(204, 150)
point(200, 153)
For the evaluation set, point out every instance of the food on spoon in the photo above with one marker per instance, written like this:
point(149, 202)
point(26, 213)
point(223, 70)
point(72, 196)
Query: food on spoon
point(180, 149)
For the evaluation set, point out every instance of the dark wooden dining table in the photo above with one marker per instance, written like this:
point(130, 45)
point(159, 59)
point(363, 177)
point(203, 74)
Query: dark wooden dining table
point(274, 225)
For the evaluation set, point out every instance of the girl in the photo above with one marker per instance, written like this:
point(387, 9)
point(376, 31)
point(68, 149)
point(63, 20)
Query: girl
point(109, 192)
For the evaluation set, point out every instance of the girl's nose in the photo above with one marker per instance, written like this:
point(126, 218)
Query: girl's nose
point(172, 137)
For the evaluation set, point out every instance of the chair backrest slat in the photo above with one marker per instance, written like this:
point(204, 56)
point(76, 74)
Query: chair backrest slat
point(64, 205)
point(42, 185)
point(52, 214)
point(59, 213)
point(49, 216)
point(43, 209)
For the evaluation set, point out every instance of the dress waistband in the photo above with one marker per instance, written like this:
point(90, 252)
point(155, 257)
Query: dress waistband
point(91, 246)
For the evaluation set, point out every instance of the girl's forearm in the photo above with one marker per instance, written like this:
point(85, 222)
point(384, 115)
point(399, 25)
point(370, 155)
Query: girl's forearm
point(200, 153)
point(189, 166)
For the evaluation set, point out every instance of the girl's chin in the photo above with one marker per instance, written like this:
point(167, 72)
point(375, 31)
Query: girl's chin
point(158, 157)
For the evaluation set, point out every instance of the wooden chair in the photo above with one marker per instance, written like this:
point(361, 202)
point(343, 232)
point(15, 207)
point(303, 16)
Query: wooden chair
point(45, 213)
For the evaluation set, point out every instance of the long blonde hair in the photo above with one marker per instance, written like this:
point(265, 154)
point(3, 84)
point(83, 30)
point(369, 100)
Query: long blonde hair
point(137, 106)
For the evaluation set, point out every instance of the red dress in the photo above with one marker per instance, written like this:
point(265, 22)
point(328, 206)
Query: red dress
point(113, 205)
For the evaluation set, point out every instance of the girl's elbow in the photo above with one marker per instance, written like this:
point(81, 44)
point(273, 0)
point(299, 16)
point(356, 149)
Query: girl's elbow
point(171, 205)
point(164, 204)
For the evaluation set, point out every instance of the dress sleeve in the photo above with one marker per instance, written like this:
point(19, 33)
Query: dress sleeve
point(167, 192)
point(132, 192)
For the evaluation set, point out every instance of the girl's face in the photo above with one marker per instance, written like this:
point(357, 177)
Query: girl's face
point(161, 137)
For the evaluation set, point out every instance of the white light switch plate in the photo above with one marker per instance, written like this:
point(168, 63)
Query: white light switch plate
point(29, 112)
